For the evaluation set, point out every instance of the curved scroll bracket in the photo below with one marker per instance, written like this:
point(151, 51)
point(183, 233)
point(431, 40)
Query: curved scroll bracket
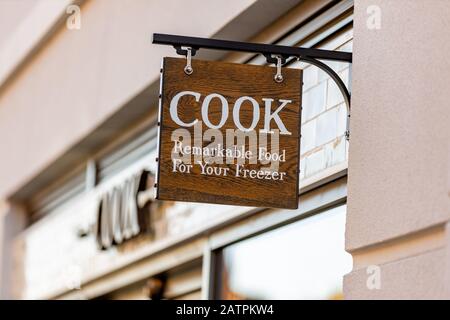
point(341, 85)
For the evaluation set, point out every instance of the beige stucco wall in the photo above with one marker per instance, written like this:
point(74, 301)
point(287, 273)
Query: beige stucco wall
point(12, 14)
point(399, 150)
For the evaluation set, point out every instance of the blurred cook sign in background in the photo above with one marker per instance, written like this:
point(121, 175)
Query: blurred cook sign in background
point(124, 211)
point(229, 133)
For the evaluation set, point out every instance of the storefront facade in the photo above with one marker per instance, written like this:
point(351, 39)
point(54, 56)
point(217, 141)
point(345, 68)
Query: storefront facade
point(82, 133)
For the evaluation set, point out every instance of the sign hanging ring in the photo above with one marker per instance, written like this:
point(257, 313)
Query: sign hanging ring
point(278, 76)
point(188, 68)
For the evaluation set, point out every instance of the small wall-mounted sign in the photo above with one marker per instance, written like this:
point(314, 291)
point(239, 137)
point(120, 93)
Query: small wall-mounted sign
point(122, 215)
point(229, 134)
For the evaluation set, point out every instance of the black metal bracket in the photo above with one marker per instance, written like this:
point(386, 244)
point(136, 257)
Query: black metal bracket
point(270, 52)
point(183, 52)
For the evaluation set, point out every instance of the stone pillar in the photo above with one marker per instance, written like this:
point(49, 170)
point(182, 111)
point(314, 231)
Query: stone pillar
point(13, 220)
point(399, 154)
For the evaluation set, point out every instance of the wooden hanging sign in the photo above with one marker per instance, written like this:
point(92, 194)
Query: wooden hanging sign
point(229, 134)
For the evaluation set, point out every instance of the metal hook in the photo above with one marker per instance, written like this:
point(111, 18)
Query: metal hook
point(188, 69)
point(278, 76)
point(341, 85)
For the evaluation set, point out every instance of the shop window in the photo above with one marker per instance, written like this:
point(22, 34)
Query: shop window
point(303, 260)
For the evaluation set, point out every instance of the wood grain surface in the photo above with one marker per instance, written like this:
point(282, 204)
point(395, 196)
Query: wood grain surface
point(231, 81)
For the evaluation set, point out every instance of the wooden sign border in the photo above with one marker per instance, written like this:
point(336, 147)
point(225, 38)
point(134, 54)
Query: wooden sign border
point(294, 205)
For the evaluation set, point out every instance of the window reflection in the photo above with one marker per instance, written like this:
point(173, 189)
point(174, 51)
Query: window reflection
point(303, 260)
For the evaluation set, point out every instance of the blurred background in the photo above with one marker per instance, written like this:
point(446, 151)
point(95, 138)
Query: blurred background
point(79, 84)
